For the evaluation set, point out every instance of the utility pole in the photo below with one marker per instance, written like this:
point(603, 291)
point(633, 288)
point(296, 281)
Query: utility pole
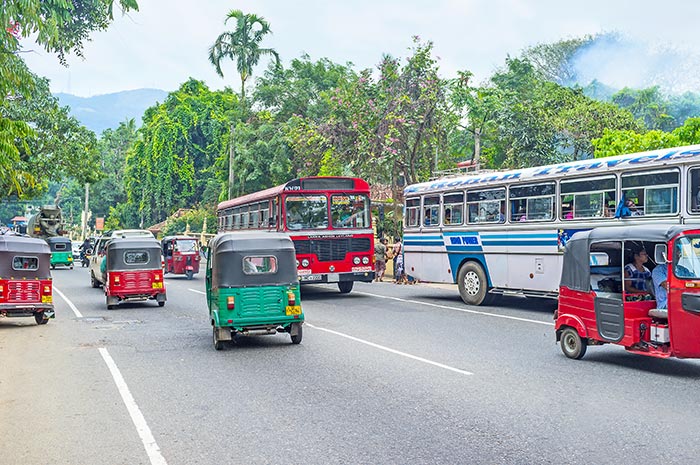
point(85, 212)
point(230, 164)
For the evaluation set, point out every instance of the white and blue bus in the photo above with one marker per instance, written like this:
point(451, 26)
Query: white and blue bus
point(504, 232)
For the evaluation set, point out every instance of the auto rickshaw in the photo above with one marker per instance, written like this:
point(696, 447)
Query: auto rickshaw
point(596, 307)
point(26, 287)
point(132, 271)
point(61, 251)
point(181, 254)
point(252, 286)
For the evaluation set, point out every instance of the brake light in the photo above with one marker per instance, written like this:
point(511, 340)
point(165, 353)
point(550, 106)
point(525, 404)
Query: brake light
point(156, 277)
point(47, 289)
point(116, 280)
point(230, 302)
point(291, 298)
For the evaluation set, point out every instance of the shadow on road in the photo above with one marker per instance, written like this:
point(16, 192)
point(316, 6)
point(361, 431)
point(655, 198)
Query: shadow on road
point(677, 368)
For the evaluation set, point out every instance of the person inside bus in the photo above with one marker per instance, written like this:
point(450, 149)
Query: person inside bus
point(632, 205)
point(448, 216)
point(636, 274)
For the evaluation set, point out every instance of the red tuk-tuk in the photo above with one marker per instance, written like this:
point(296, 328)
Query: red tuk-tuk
point(133, 272)
point(597, 304)
point(181, 254)
point(25, 278)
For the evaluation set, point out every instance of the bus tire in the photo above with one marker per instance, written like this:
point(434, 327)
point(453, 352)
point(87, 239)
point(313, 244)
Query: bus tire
point(573, 345)
point(473, 285)
point(345, 286)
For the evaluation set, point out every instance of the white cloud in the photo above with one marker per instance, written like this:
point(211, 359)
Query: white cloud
point(167, 41)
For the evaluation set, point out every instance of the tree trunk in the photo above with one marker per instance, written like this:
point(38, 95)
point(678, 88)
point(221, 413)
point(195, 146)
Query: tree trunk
point(477, 149)
point(230, 164)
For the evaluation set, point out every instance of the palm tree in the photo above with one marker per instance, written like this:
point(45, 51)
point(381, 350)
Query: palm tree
point(242, 45)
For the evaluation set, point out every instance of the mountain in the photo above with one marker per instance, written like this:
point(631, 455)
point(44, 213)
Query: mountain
point(100, 112)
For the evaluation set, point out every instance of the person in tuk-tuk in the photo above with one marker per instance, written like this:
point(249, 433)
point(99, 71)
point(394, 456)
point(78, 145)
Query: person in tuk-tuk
point(660, 278)
point(636, 274)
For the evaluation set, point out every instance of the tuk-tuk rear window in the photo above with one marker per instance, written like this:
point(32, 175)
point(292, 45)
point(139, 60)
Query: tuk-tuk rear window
point(260, 264)
point(25, 263)
point(61, 246)
point(136, 257)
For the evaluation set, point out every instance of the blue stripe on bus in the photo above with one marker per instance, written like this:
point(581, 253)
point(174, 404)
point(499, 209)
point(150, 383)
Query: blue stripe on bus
point(420, 236)
point(464, 248)
point(518, 243)
point(424, 243)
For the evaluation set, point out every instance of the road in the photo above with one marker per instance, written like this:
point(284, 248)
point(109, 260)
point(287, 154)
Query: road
point(385, 375)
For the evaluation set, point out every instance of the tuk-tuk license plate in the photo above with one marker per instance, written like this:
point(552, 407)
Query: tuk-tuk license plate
point(46, 299)
point(158, 285)
point(293, 309)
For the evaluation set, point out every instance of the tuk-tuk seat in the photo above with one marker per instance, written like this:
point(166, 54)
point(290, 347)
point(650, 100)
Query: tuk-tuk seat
point(659, 313)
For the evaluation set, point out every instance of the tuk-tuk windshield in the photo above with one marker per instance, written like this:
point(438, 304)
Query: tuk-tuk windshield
point(186, 245)
point(686, 259)
point(306, 211)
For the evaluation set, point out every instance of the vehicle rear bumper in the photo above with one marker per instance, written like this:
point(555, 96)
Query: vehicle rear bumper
point(362, 276)
point(28, 309)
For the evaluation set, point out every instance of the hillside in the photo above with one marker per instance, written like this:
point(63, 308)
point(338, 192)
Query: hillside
point(100, 112)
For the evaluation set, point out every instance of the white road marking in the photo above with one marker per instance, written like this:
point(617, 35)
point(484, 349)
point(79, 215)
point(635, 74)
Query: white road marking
point(465, 310)
point(198, 292)
point(377, 346)
point(393, 351)
point(137, 417)
point(70, 304)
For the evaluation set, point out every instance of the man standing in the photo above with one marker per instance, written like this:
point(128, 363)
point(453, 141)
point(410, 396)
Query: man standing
point(380, 259)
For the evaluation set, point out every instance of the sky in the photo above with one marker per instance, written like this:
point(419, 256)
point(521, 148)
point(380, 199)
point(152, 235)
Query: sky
point(167, 41)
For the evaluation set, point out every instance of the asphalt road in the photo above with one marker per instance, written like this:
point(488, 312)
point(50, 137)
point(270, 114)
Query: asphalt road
point(385, 375)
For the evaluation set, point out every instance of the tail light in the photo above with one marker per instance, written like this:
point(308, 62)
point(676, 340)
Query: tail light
point(156, 277)
point(291, 298)
point(230, 304)
point(116, 280)
point(46, 289)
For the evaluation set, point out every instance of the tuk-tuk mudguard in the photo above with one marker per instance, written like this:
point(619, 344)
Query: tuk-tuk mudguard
point(572, 321)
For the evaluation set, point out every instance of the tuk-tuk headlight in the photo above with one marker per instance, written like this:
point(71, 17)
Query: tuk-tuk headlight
point(305, 262)
point(365, 260)
point(356, 260)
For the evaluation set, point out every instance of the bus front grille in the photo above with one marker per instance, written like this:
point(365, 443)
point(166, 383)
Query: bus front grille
point(332, 249)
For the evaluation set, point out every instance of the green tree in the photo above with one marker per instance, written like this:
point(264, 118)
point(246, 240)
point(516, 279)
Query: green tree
point(242, 45)
point(648, 105)
point(618, 142)
point(60, 27)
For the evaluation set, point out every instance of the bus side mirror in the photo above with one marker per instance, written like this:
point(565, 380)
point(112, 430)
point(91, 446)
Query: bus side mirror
point(660, 253)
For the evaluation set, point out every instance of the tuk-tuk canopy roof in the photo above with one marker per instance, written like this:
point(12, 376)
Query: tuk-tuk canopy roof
point(179, 238)
point(58, 240)
point(10, 243)
point(228, 251)
point(576, 269)
point(25, 246)
point(250, 240)
point(132, 243)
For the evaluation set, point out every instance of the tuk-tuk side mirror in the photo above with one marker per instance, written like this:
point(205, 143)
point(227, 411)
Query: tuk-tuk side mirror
point(660, 253)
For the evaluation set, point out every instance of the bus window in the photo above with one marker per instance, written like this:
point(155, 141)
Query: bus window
point(306, 212)
point(431, 211)
point(412, 212)
point(453, 208)
point(349, 211)
point(488, 206)
point(652, 193)
point(588, 198)
point(532, 203)
point(694, 191)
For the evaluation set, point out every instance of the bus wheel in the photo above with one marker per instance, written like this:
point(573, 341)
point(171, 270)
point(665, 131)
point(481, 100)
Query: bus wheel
point(472, 283)
point(345, 286)
point(573, 345)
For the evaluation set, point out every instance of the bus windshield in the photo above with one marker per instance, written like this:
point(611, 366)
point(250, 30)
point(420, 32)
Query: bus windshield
point(349, 211)
point(306, 211)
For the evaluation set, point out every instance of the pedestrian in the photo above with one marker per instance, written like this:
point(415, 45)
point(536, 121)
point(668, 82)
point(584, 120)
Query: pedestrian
point(397, 252)
point(380, 259)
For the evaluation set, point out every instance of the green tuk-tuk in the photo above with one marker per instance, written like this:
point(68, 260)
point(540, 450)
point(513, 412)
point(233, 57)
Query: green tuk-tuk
point(253, 286)
point(61, 251)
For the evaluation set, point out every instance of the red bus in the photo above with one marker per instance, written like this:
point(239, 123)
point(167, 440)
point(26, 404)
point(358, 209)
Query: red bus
point(328, 218)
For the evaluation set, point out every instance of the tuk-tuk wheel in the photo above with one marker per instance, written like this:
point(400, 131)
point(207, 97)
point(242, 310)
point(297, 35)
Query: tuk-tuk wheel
point(189, 274)
point(296, 331)
point(39, 318)
point(573, 345)
point(218, 343)
point(53, 267)
point(161, 303)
